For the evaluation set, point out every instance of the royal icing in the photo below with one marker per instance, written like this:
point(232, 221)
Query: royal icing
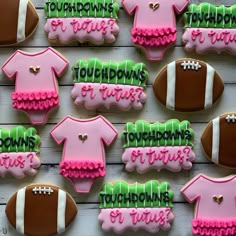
point(18, 151)
point(36, 90)
point(209, 27)
point(71, 20)
point(158, 146)
point(138, 206)
point(97, 83)
point(154, 28)
point(83, 159)
point(215, 212)
point(26, 209)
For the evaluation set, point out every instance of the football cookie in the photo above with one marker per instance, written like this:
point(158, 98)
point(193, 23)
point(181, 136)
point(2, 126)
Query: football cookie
point(138, 206)
point(158, 146)
point(18, 151)
point(218, 140)
point(188, 85)
point(35, 74)
point(97, 83)
point(215, 211)
point(210, 28)
point(82, 21)
point(41, 210)
point(83, 158)
point(154, 29)
point(18, 21)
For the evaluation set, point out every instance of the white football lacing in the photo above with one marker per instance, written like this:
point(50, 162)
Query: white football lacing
point(42, 190)
point(230, 118)
point(191, 65)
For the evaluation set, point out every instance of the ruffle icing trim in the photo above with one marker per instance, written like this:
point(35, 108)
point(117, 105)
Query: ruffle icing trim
point(82, 169)
point(34, 100)
point(153, 37)
point(214, 227)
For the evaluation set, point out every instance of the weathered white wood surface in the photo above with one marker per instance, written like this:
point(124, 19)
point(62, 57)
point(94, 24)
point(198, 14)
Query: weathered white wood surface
point(86, 223)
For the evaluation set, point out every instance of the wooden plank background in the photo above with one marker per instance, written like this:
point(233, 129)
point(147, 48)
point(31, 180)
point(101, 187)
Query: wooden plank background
point(86, 223)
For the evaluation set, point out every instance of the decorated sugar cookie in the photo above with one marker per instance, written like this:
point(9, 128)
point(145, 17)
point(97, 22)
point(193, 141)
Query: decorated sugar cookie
point(158, 146)
point(218, 140)
point(98, 83)
point(82, 21)
point(36, 90)
point(210, 28)
point(18, 21)
point(41, 210)
point(215, 211)
point(18, 151)
point(154, 29)
point(83, 158)
point(136, 206)
point(188, 85)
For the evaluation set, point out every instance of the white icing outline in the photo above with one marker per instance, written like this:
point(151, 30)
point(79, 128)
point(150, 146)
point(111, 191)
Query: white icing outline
point(209, 87)
point(171, 81)
point(61, 211)
point(191, 65)
point(20, 211)
point(231, 118)
point(22, 11)
point(215, 140)
point(42, 190)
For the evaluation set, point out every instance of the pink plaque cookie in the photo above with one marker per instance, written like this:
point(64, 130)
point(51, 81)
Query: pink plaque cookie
point(83, 158)
point(154, 27)
point(36, 90)
point(215, 211)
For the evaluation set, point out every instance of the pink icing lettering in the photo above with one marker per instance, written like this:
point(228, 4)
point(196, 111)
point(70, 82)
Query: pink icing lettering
point(31, 157)
point(8, 162)
point(56, 23)
point(224, 36)
point(137, 154)
point(114, 215)
point(88, 89)
point(111, 22)
point(197, 34)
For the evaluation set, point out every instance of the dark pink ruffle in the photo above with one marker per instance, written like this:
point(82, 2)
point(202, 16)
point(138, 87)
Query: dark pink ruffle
point(34, 100)
point(214, 227)
point(82, 169)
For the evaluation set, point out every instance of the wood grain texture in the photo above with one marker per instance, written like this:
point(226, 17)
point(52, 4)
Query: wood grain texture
point(86, 223)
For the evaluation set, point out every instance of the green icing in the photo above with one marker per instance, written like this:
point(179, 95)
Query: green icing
point(81, 8)
point(123, 195)
point(95, 71)
point(19, 139)
point(207, 15)
point(171, 133)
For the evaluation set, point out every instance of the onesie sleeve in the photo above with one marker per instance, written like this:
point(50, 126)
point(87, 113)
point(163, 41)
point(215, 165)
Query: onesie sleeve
point(58, 62)
point(129, 5)
point(58, 133)
point(10, 67)
point(193, 189)
point(179, 5)
point(108, 131)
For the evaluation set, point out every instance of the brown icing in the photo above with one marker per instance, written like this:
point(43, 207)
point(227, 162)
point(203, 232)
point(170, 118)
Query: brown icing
point(9, 20)
point(40, 218)
point(189, 89)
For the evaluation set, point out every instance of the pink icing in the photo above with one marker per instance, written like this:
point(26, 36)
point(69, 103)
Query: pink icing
point(214, 227)
point(202, 40)
point(155, 15)
point(19, 164)
point(153, 37)
point(149, 219)
point(93, 95)
point(173, 158)
point(82, 169)
point(96, 30)
point(212, 215)
point(34, 100)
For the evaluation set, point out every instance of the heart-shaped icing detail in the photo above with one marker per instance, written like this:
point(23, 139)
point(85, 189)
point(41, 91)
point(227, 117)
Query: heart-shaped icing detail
point(217, 199)
point(34, 69)
point(154, 6)
point(83, 137)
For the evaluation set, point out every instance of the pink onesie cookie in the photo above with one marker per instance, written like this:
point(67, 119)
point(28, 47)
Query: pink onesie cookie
point(154, 27)
point(36, 90)
point(215, 211)
point(83, 158)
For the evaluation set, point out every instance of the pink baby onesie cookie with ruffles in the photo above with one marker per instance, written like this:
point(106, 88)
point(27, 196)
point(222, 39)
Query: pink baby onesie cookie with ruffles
point(36, 90)
point(83, 158)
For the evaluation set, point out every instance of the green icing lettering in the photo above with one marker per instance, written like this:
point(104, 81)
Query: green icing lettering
point(19, 139)
point(123, 195)
point(207, 15)
point(81, 8)
point(171, 133)
point(96, 71)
